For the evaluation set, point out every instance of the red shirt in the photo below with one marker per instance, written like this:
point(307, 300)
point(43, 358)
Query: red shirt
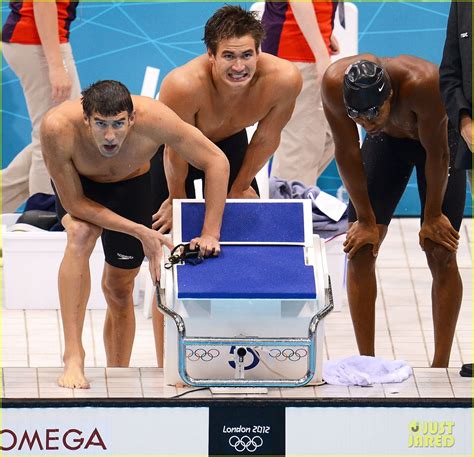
point(283, 35)
point(20, 26)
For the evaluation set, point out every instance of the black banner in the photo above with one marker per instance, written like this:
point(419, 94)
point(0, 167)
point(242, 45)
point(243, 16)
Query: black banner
point(242, 430)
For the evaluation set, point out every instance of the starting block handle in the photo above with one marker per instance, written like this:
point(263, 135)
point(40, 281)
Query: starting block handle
point(178, 320)
point(184, 341)
point(320, 315)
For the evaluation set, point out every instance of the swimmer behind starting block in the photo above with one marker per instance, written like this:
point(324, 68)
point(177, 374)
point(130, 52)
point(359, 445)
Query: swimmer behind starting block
point(98, 156)
point(398, 102)
point(231, 87)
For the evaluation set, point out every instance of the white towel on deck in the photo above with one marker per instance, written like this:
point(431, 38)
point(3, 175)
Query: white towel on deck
point(361, 370)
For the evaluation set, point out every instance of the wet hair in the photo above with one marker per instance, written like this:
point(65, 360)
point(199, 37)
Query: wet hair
point(107, 98)
point(366, 85)
point(232, 21)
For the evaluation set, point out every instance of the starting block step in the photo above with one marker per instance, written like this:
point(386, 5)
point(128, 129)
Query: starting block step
point(271, 222)
point(249, 272)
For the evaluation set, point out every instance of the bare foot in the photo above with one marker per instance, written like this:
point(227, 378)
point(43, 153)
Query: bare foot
point(73, 377)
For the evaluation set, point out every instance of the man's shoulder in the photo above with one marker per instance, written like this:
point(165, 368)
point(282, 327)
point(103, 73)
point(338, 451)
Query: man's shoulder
point(418, 84)
point(278, 74)
point(62, 118)
point(275, 67)
point(60, 130)
point(413, 65)
point(149, 114)
point(141, 102)
point(188, 77)
point(416, 75)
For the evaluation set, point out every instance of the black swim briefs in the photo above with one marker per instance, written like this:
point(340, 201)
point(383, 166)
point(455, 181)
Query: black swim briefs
point(389, 162)
point(130, 199)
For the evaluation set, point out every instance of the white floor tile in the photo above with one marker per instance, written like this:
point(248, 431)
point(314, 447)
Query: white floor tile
point(404, 329)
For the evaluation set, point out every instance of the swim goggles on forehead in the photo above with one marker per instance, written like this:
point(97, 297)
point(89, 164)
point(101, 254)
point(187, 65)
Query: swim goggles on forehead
point(369, 114)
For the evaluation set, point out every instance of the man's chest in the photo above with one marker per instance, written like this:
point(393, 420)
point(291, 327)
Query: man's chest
point(129, 161)
point(219, 119)
point(402, 124)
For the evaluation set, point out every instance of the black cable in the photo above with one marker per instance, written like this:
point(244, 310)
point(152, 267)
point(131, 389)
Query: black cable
point(190, 392)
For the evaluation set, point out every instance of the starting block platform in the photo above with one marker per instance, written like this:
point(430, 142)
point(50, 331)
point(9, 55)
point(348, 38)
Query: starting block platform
point(252, 316)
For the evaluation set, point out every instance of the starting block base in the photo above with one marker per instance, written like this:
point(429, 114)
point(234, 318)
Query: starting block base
point(252, 317)
point(238, 390)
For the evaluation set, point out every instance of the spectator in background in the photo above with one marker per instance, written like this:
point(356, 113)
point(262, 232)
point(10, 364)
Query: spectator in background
point(456, 80)
point(301, 32)
point(36, 47)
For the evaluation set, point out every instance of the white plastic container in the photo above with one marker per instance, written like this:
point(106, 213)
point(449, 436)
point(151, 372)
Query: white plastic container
point(31, 263)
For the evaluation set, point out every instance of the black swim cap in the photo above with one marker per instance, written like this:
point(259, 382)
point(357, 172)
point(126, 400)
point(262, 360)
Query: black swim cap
point(365, 86)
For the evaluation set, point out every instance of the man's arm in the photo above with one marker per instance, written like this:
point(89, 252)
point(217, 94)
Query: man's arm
point(306, 19)
point(176, 171)
point(451, 79)
point(433, 134)
point(57, 145)
point(174, 93)
point(266, 138)
point(349, 163)
point(203, 154)
point(46, 19)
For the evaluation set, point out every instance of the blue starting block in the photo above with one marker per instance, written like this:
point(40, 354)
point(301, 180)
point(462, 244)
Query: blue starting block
point(252, 316)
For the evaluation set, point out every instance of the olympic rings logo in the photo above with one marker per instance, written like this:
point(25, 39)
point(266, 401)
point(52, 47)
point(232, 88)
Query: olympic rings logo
point(245, 443)
point(288, 354)
point(202, 354)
